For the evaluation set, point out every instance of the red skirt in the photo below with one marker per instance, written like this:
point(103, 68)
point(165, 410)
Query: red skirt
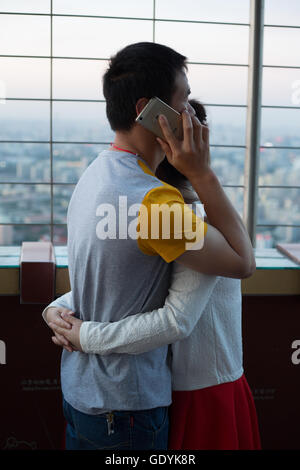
point(222, 417)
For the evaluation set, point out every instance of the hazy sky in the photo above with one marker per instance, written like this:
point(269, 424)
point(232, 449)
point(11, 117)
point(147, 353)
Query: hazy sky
point(101, 38)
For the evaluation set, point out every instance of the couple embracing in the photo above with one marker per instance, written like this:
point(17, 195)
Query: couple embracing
point(151, 329)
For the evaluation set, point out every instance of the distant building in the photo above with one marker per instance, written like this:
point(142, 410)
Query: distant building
point(6, 235)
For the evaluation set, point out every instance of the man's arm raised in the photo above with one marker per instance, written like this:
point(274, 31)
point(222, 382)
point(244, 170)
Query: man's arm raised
point(227, 249)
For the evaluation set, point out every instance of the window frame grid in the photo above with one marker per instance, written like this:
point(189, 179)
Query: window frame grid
point(154, 20)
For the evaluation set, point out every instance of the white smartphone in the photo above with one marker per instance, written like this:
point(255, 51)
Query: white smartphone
point(148, 117)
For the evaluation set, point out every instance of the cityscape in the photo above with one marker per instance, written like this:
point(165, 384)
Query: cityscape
point(28, 209)
point(43, 153)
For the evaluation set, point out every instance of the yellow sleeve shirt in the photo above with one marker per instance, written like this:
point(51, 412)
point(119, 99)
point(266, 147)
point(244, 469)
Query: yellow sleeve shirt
point(167, 226)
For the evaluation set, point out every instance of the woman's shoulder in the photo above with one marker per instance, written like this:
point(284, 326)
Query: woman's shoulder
point(186, 280)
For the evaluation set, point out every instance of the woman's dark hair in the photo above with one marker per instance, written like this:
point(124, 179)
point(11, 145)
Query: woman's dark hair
point(168, 173)
point(141, 70)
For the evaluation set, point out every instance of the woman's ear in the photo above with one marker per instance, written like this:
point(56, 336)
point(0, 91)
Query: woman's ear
point(140, 104)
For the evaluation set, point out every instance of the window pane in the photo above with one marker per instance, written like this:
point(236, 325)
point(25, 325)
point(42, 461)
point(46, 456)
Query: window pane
point(24, 35)
point(25, 6)
point(285, 14)
point(24, 162)
point(88, 37)
point(227, 125)
point(281, 87)
point(228, 164)
point(280, 127)
point(236, 196)
point(84, 122)
point(130, 8)
point(70, 161)
point(60, 235)
point(16, 234)
point(61, 198)
point(279, 167)
point(278, 206)
point(24, 203)
point(25, 78)
point(25, 120)
point(268, 237)
point(279, 46)
point(217, 84)
point(216, 43)
point(233, 11)
point(78, 79)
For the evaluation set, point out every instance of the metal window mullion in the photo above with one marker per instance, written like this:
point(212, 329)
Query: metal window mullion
point(83, 100)
point(228, 146)
point(172, 20)
point(55, 99)
point(108, 143)
point(51, 121)
point(240, 186)
point(282, 66)
point(222, 64)
point(153, 21)
point(280, 147)
point(133, 18)
point(253, 116)
point(287, 26)
point(32, 183)
point(265, 106)
point(22, 56)
point(26, 223)
point(269, 186)
point(279, 225)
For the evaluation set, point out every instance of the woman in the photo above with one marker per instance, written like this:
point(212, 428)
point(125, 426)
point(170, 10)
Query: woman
point(212, 406)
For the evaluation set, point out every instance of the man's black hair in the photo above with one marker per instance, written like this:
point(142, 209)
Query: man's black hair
point(141, 70)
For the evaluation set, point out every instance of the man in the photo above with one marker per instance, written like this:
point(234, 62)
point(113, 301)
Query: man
point(121, 401)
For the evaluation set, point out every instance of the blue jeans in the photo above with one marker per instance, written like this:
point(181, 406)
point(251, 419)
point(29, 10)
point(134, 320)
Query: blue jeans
point(129, 430)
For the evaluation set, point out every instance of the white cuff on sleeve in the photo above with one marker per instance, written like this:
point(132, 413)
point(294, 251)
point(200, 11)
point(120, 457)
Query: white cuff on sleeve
point(84, 337)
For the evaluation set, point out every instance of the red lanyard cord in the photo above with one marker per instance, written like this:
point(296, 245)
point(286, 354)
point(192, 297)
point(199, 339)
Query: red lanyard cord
point(123, 150)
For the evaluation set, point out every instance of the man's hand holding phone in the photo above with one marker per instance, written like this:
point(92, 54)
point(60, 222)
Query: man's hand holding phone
point(191, 155)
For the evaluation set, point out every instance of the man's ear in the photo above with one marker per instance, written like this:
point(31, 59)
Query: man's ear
point(140, 104)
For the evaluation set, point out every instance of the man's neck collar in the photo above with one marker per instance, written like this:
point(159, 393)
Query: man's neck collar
point(144, 145)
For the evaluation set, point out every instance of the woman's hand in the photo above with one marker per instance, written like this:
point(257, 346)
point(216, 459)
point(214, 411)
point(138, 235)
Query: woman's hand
point(60, 317)
point(66, 329)
point(191, 155)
